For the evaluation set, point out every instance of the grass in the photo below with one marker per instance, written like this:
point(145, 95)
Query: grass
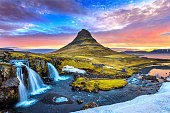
point(89, 84)
point(129, 64)
point(97, 65)
point(26, 55)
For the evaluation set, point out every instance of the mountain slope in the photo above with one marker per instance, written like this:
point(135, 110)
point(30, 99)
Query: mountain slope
point(85, 44)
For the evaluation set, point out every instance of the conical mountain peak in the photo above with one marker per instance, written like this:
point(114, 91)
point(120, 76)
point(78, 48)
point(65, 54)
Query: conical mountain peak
point(85, 44)
point(84, 33)
point(84, 36)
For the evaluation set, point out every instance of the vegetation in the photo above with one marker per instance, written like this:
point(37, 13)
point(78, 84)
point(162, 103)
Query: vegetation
point(92, 84)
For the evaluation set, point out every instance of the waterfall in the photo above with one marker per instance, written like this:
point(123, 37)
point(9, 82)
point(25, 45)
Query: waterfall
point(22, 89)
point(53, 72)
point(35, 83)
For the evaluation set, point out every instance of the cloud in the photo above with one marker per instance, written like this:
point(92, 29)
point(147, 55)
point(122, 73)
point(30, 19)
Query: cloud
point(123, 17)
point(37, 41)
point(56, 6)
point(165, 33)
point(10, 11)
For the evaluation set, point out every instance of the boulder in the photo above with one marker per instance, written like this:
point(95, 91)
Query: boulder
point(90, 105)
point(80, 101)
point(152, 91)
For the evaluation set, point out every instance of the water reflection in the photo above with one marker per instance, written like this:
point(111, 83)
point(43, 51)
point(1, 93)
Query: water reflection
point(160, 72)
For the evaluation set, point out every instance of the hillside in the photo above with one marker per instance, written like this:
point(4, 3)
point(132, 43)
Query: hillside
point(85, 44)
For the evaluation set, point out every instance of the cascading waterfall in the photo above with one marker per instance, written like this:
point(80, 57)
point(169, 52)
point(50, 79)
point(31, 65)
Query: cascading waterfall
point(53, 72)
point(35, 83)
point(22, 89)
point(23, 94)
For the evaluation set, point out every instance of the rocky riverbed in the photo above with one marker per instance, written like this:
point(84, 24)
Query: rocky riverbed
point(77, 99)
point(61, 97)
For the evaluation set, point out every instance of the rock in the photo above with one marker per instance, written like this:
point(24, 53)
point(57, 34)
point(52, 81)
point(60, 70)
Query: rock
point(56, 99)
point(148, 84)
point(152, 91)
point(149, 77)
point(139, 77)
point(47, 79)
point(12, 82)
point(80, 101)
point(168, 79)
point(96, 90)
point(90, 105)
point(75, 88)
point(160, 80)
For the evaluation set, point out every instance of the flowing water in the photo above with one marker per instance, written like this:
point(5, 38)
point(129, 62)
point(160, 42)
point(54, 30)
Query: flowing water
point(157, 70)
point(22, 89)
point(53, 72)
point(35, 85)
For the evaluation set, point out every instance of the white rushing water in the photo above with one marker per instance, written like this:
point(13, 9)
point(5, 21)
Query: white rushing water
point(35, 83)
point(53, 72)
point(23, 94)
point(22, 89)
point(72, 69)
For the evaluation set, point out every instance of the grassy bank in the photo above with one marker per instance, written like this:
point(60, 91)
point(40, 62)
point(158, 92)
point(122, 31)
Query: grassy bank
point(89, 84)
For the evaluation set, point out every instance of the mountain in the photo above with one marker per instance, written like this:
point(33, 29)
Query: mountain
point(85, 44)
point(37, 50)
point(156, 51)
point(6, 49)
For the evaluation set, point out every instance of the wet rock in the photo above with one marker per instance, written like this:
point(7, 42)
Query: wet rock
point(56, 99)
point(161, 80)
point(152, 91)
point(134, 88)
point(75, 88)
point(148, 84)
point(47, 79)
point(90, 105)
point(168, 79)
point(80, 101)
point(149, 77)
point(70, 84)
point(96, 90)
point(12, 82)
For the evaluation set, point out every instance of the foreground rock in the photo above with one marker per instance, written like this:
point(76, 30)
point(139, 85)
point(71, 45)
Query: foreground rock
point(8, 86)
point(90, 105)
point(56, 99)
point(80, 101)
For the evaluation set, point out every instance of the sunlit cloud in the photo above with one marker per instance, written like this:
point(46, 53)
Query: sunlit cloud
point(53, 24)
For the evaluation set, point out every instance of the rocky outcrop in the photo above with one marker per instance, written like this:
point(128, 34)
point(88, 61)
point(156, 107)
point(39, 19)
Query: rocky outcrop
point(40, 66)
point(8, 86)
point(90, 105)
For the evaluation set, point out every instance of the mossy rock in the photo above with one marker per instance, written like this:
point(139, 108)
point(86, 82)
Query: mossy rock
point(93, 84)
point(90, 105)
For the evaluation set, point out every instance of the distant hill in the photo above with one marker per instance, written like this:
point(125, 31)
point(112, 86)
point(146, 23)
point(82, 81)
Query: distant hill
point(6, 49)
point(156, 51)
point(85, 44)
point(37, 50)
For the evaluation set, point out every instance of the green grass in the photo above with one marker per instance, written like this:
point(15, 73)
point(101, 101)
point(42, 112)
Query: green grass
point(90, 63)
point(91, 84)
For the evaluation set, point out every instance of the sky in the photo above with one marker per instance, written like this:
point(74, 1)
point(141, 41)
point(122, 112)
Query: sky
point(51, 24)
